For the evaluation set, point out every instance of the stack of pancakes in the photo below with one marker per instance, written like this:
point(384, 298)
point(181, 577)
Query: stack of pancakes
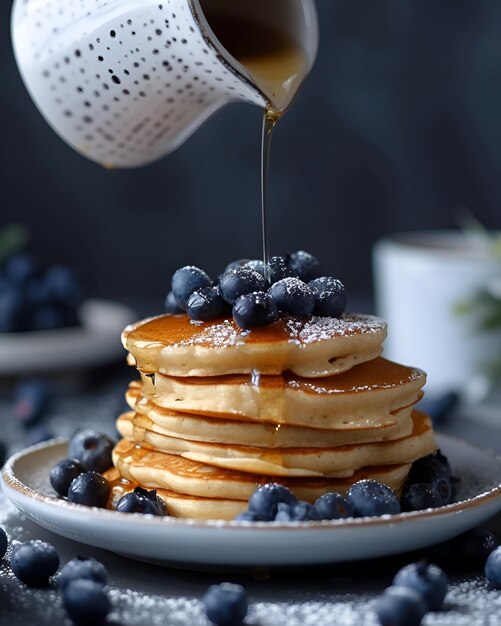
point(308, 403)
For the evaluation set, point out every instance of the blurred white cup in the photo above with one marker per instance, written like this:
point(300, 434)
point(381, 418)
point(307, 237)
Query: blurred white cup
point(420, 278)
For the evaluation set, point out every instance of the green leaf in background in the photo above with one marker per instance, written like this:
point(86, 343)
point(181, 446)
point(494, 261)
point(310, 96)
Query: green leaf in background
point(13, 238)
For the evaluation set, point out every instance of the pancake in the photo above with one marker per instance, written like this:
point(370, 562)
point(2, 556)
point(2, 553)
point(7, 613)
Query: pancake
point(365, 396)
point(157, 470)
point(179, 504)
point(216, 430)
point(309, 347)
point(341, 461)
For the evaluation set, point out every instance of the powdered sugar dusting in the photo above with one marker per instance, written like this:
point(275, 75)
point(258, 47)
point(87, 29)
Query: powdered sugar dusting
point(323, 328)
point(215, 335)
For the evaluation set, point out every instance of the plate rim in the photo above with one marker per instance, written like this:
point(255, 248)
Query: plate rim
point(11, 481)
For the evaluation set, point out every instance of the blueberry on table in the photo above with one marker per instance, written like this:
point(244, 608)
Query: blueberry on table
point(400, 606)
point(304, 265)
point(293, 296)
point(225, 604)
point(185, 281)
point(254, 310)
point(420, 496)
point(63, 473)
point(370, 498)
point(91, 489)
point(265, 500)
point(34, 562)
point(3, 543)
point(330, 296)
point(206, 304)
point(493, 568)
point(278, 268)
point(474, 546)
point(142, 501)
point(240, 281)
point(80, 568)
point(428, 579)
point(86, 602)
point(296, 512)
point(91, 448)
point(332, 505)
point(170, 305)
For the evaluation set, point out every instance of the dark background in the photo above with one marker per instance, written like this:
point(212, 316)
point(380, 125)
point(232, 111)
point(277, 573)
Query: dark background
point(397, 127)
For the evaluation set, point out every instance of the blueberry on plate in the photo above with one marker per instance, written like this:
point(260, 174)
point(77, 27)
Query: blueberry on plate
point(254, 310)
point(91, 448)
point(225, 604)
point(91, 489)
point(142, 501)
point(493, 568)
point(332, 505)
point(428, 579)
point(420, 496)
point(83, 568)
point(265, 500)
point(240, 281)
point(304, 265)
point(474, 546)
point(63, 473)
point(296, 512)
point(278, 268)
point(435, 462)
point(293, 296)
point(86, 602)
point(432, 474)
point(370, 498)
point(330, 296)
point(34, 562)
point(3, 543)
point(400, 606)
point(170, 305)
point(248, 516)
point(205, 304)
point(185, 281)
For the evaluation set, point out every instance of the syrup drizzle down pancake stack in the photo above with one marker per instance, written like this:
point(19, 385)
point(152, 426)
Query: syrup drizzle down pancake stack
point(308, 403)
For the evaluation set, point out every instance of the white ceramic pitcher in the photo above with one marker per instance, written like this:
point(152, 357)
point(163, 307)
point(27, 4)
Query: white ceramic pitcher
point(125, 82)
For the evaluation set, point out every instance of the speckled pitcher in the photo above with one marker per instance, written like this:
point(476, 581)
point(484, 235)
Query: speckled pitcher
point(125, 82)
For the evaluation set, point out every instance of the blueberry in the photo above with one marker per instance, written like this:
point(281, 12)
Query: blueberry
point(83, 568)
point(474, 546)
point(247, 516)
point(370, 498)
point(420, 496)
point(171, 305)
point(265, 500)
point(493, 568)
point(293, 296)
point(90, 488)
point(18, 269)
point(428, 580)
point(278, 268)
point(400, 606)
point(31, 399)
point(91, 448)
point(34, 563)
point(38, 434)
point(330, 296)
point(256, 265)
point(254, 309)
point(236, 264)
point(435, 462)
point(11, 308)
point(3, 453)
point(333, 506)
point(48, 316)
point(304, 265)
point(296, 512)
point(239, 281)
point(62, 285)
point(185, 281)
point(433, 474)
point(206, 304)
point(86, 602)
point(3, 543)
point(142, 501)
point(63, 473)
point(225, 604)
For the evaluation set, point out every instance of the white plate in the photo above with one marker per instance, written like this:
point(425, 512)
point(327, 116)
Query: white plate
point(94, 343)
point(170, 540)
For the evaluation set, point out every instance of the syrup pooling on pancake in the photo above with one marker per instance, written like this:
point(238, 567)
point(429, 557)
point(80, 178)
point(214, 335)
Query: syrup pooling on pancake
point(316, 346)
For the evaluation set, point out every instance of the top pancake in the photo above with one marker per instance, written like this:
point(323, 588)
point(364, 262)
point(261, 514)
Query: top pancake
point(310, 347)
